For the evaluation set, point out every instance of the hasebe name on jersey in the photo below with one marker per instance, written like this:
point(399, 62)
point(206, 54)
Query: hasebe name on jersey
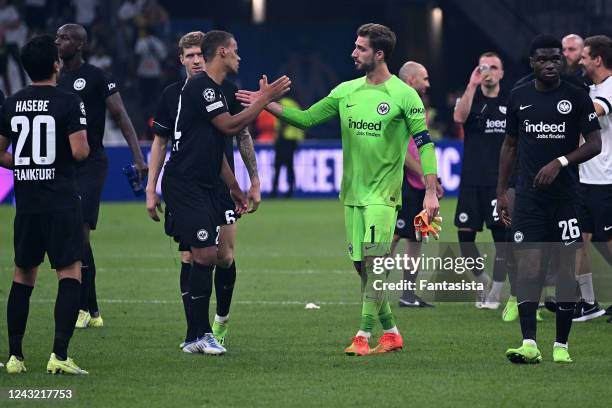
point(34, 174)
point(32, 105)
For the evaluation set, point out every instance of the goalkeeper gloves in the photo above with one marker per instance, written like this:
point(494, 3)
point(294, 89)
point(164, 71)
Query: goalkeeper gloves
point(423, 228)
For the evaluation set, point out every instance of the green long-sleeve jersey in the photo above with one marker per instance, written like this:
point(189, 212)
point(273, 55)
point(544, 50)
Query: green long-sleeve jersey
point(376, 124)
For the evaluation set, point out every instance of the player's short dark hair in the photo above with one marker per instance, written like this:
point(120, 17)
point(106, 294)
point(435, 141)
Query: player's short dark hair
point(192, 39)
point(491, 54)
point(381, 37)
point(544, 41)
point(38, 56)
point(212, 41)
point(600, 46)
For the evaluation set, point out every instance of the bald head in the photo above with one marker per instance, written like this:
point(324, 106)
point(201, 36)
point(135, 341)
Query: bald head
point(70, 40)
point(415, 75)
point(77, 32)
point(572, 50)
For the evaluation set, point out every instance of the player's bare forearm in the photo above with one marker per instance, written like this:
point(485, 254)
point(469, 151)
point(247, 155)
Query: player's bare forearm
point(507, 157)
point(431, 181)
point(228, 176)
point(274, 108)
point(412, 165)
point(247, 152)
point(462, 109)
point(589, 149)
point(156, 161)
point(115, 106)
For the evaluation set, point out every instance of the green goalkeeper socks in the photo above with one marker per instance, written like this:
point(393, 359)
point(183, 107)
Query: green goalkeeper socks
point(386, 316)
point(369, 313)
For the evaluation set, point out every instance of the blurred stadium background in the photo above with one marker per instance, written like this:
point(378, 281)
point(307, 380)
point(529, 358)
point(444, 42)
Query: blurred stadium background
point(290, 252)
point(309, 41)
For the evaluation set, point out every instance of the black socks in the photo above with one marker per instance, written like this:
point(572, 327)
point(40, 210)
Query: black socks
point(66, 313)
point(225, 278)
point(17, 310)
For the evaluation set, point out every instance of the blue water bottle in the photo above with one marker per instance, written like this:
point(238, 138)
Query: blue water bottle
point(132, 177)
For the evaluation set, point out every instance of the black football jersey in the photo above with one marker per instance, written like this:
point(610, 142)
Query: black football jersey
point(2, 98)
point(165, 116)
point(198, 146)
point(484, 129)
point(39, 120)
point(93, 85)
point(165, 113)
point(548, 125)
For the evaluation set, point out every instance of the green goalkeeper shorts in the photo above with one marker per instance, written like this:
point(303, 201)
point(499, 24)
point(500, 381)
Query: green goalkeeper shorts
point(369, 230)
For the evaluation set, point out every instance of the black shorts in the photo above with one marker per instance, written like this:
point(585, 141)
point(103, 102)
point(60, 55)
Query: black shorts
point(412, 205)
point(227, 205)
point(193, 214)
point(596, 211)
point(545, 220)
point(91, 175)
point(477, 205)
point(59, 234)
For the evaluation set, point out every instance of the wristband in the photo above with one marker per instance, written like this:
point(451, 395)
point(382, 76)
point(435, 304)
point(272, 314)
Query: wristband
point(563, 160)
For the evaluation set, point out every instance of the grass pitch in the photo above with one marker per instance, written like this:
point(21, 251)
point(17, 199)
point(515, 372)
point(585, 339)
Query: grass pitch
point(279, 354)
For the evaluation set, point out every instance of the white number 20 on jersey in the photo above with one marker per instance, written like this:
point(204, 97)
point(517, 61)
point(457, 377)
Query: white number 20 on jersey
point(22, 125)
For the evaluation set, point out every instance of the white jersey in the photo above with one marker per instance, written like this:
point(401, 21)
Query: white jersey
point(598, 170)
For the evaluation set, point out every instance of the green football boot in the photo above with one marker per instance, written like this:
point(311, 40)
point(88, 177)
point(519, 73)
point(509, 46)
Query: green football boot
point(561, 355)
point(526, 354)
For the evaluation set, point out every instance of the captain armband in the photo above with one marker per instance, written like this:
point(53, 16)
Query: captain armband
point(422, 138)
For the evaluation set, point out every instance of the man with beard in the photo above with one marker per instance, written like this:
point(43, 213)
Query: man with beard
point(378, 112)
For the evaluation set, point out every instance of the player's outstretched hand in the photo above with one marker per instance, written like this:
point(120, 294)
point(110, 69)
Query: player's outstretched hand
point(547, 174)
point(502, 208)
point(153, 205)
point(423, 228)
point(274, 90)
point(240, 199)
point(246, 98)
point(254, 198)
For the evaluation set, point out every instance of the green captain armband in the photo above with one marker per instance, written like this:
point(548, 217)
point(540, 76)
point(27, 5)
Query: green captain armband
point(427, 154)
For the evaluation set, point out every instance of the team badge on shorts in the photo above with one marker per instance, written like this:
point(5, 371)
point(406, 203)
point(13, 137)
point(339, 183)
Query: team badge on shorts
point(463, 217)
point(202, 235)
point(383, 108)
point(400, 223)
point(79, 84)
point(518, 237)
point(564, 106)
point(209, 94)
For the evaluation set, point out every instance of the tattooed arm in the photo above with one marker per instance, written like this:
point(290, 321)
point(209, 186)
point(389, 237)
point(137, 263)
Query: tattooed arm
point(247, 152)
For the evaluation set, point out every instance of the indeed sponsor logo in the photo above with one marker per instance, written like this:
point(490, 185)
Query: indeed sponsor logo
point(496, 124)
point(362, 124)
point(544, 127)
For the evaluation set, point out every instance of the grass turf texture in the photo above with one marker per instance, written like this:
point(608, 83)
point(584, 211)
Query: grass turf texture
point(288, 253)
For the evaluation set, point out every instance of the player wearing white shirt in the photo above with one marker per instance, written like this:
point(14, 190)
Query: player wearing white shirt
point(596, 175)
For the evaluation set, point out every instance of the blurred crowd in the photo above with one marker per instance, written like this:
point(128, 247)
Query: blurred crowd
point(133, 40)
